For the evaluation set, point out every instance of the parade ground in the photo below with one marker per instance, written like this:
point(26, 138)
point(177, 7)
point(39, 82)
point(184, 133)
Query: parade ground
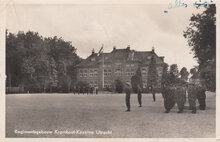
point(104, 116)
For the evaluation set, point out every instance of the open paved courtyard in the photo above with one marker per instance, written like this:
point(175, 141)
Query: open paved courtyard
point(103, 115)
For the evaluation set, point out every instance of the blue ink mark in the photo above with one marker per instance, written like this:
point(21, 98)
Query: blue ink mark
point(177, 4)
point(165, 11)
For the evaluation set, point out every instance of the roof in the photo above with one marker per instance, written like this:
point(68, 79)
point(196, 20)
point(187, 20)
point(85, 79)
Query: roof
point(90, 61)
point(120, 55)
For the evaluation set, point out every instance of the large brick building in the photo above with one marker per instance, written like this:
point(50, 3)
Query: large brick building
point(103, 69)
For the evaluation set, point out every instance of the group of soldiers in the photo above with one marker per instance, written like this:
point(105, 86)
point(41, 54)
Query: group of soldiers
point(177, 94)
point(85, 90)
point(174, 94)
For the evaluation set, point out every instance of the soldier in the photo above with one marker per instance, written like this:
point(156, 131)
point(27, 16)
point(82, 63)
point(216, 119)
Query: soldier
point(192, 92)
point(139, 95)
point(169, 100)
point(97, 90)
point(74, 89)
point(91, 90)
point(83, 89)
point(128, 95)
point(77, 89)
point(152, 90)
point(201, 96)
point(87, 90)
point(180, 95)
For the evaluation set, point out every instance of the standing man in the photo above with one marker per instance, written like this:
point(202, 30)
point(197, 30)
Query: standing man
point(201, 96)
point(192, 92)
point(169, 100)
point(77, 89)
point(97, 90)
point(139, 95)
point(83, 90)
point(152, 90)
point(180, 97)
point(74, 89)
point(128, 95)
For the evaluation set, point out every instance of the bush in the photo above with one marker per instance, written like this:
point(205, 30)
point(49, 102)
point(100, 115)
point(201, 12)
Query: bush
point(118, 86)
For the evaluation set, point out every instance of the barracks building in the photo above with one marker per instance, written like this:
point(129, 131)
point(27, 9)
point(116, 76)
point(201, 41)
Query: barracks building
point(102, 69)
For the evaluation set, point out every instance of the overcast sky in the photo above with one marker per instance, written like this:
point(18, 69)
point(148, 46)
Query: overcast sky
point(90, 26)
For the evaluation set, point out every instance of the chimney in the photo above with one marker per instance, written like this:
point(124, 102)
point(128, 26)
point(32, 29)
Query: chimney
point(128, 47)
point(162, 58)
point(114, 48)
point(93, 51)
point(153, 49)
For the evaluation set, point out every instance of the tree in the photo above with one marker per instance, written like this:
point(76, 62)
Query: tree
point(201, 36)
point(40, 63)
point(164, 80)
point(184, 74)
point(152, 73)
point(173, 74)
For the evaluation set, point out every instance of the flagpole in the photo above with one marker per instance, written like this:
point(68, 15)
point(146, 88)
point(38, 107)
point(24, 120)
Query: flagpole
point(103, 67)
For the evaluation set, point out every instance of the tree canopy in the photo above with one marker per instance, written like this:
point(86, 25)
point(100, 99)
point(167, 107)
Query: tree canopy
point(39, 63)
point(201, 36)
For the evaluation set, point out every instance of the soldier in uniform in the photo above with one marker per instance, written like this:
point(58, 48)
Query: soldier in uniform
point(87, 90)
point(180, 97)
point(192, 92)
point(97, 90)
point(83, 89)
point(74, 89)
point(77, 89)
point(168, 96)
point(139, 95)
point(152, 90)
point(91, 90)
point(127, 96)
point(201, 96)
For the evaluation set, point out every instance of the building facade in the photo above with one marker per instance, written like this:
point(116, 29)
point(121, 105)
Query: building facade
point(102, 70)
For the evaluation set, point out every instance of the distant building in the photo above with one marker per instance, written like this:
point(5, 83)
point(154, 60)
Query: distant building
point(119, 64)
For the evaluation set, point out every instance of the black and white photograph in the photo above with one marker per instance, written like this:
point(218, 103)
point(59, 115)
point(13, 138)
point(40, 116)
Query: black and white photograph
point(111, 70)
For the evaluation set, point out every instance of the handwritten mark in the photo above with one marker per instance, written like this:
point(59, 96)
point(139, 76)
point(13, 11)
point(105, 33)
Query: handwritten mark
point(196, 4)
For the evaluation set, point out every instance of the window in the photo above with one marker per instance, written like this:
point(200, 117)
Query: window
point(85, 73)
point(144, 71)
point(107, 84)
point(107, 66)
point(145, 83)
point(93, 83)
point(129, 71)
point(148, 57)
point(107, 72)
point(118, 72)
point(95, 74)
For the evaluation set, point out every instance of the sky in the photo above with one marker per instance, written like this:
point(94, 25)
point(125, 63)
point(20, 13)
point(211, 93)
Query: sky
point(88, 26)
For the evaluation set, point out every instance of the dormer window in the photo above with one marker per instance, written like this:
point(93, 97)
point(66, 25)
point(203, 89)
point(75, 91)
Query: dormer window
point(92, 59)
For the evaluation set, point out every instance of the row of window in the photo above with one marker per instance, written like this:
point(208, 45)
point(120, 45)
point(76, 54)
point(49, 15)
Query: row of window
point(93, 83)
point(86, 75)
point(118, 72)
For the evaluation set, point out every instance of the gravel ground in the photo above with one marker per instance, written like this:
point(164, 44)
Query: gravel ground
point(103, 115)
